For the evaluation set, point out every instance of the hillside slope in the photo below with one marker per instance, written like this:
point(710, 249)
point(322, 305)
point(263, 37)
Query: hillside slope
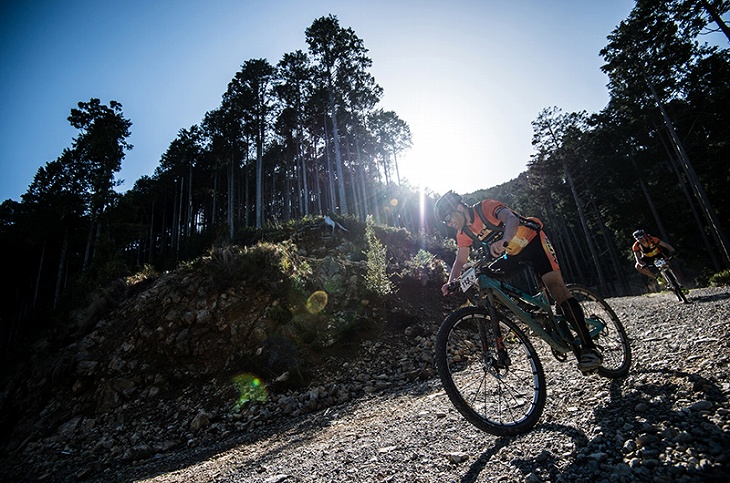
point(215, 338)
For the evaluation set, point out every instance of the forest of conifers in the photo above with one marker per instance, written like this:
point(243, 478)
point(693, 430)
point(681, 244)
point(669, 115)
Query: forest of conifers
point(306, 137)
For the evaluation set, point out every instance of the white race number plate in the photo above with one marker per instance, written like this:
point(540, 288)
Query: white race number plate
point(467, 279)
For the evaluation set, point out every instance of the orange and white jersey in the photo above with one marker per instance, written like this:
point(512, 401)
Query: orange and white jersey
point(490, 209)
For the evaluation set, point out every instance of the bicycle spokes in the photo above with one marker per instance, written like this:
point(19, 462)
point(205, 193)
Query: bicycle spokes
point(495, 381)
point(494, 351)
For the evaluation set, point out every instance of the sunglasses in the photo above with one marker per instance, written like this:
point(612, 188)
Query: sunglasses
point(447, 218)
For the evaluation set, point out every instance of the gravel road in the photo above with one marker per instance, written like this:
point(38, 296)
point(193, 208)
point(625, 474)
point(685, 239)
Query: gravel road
point(667, 421)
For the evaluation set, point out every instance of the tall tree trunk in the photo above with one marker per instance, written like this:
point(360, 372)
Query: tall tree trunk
point(178, 225)
point(89, 242)
point(354, 189)
point(247, 200)
point(610, 247)
point(61, 268)
point(174, 222)
point(164, 246)
point(289, 175)
point(317, 176)
point(718, 234)
point(231, 196)
point(38, 275)
point(366, 196)
point(330, 171)
point(395, 163)
point(189, 220)
point(649, 200)
point(305, 185)
point(151, 250)
point(716, 17)
point(586, 230)
point(338, 155)
point(259, 185)
point(214, 196)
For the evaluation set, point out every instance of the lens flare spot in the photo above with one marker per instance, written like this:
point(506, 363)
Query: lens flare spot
point(394, 202)
point(250, 388)
point(317, 302)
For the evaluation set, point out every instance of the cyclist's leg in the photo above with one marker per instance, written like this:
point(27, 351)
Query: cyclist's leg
point(545, 262)
point(571, 309)
point(643, 269)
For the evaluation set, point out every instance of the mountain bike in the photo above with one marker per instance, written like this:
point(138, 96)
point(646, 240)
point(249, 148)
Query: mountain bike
point(665, 269)
point(487, 364)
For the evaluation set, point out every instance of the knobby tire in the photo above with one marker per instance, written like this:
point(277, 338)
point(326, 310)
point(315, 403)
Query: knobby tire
point(508, 403)
point(612, 340)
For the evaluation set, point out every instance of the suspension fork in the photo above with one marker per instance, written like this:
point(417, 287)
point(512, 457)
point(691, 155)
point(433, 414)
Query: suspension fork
point(493, 338)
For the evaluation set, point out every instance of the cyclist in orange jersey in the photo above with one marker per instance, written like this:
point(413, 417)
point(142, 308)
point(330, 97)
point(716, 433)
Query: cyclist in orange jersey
point(521, 239)
point(646, 248)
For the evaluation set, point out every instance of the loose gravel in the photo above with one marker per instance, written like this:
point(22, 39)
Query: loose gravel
point(384, 418)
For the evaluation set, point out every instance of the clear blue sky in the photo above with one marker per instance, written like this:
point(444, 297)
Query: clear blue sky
point(467, 76)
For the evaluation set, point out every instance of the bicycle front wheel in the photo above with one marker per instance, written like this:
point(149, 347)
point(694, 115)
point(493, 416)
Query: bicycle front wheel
point(671, 279)
point(607, 332)
point(499, 399)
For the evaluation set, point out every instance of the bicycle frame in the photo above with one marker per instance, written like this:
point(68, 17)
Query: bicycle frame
point(503, 293)
point(670, 277)
point(662, 264)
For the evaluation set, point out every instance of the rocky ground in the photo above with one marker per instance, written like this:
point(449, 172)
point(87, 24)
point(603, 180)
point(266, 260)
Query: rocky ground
point(379, 414)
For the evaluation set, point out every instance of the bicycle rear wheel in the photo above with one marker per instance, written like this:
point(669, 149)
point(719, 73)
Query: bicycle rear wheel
point(607, 332)
point(500, 401)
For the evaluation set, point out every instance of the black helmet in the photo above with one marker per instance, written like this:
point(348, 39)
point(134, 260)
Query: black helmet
point(639, 234)
point(446, 205)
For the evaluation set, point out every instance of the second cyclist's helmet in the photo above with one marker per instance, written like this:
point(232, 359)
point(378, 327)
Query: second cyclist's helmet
point(639, 234)
point(446, 205)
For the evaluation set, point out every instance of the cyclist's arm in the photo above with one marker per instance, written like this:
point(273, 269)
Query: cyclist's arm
point(462, 255)
point(511, 224)
point(637, 255)
point(666, 245)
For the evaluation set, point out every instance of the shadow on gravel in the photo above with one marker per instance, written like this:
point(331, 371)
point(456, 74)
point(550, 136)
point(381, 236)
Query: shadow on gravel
point(709, 298)
point(667, 426)
point(544, 462)
point(660, 434)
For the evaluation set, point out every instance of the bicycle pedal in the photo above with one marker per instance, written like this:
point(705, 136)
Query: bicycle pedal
point(588, 372)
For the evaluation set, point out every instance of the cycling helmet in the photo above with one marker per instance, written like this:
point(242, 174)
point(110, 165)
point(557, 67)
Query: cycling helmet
point(446, 205)
point(639, 234)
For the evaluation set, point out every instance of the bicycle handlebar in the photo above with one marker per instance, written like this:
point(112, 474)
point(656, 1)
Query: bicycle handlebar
point(484, 259)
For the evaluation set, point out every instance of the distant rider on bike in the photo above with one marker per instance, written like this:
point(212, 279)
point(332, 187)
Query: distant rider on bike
point(521, 239)
point(646, 249)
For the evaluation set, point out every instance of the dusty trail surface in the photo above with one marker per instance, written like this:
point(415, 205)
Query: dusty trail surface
point(667, 421)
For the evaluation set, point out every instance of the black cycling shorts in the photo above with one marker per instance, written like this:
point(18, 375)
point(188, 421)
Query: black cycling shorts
point(537, 253)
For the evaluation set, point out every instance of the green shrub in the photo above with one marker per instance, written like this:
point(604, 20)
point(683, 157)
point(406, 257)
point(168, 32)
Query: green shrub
point(721, 279)
point(269, 266)
point(424, 267)
point(376, 278)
